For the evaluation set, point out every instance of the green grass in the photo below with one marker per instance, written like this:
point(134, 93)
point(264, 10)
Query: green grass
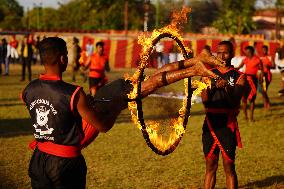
point(121, 158)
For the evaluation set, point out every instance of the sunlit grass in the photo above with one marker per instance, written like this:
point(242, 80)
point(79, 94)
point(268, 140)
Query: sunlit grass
point(121, 159)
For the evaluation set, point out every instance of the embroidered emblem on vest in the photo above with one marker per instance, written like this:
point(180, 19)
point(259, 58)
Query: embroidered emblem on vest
point(231, 81)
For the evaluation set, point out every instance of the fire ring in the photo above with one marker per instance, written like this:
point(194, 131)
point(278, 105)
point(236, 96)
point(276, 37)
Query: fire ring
point(186, 104)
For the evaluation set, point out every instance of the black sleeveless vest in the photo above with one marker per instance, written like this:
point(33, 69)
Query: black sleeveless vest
point(49, 102)
point(218, 98)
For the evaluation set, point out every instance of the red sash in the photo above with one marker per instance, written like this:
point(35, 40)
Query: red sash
point(56, 149)
point(232, 124)
point(232, 121)
point(90, 133)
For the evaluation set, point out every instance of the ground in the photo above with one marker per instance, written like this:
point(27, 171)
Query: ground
point(121, 158)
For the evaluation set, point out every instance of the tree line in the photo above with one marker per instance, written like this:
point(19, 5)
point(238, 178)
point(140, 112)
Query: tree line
point(228, 16)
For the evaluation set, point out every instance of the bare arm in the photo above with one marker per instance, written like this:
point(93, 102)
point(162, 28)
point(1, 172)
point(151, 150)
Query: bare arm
point(107, 68)
point(88, 62)
point(204, 92)
point(165, 78)
point(102, 122)
point(203, 57)
point(241, 65)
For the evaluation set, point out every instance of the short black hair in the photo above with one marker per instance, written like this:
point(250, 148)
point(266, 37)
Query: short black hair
point(250, 48)
point(207, 47)
point(100, 43)
point(265, 47)
point(75, 40)
point(51, 48)
point(230, 45)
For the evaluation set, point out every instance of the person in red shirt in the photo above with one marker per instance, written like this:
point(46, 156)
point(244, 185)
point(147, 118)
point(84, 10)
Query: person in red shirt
point(268, 64)
point(97, 64)
point(253, 64)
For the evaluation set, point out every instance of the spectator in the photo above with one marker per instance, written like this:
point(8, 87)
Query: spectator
point(268, 64)
point(14, 53)
point(26, 56)
point(76, 51)
point(279, 60)
point(159, 50)
point(6, 53)
point(90, 48)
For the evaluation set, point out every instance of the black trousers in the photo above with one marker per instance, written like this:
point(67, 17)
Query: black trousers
point(26, 62)
point(52, 172)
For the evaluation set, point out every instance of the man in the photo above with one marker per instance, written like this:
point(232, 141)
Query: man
point(89, 48)
point(220, 130)
point(64, 121)
point(27, 56)
point(253, 64)
point(279, 60)
point(6, 54)
point(268, 64)
point(76, 51)
point(97, 64)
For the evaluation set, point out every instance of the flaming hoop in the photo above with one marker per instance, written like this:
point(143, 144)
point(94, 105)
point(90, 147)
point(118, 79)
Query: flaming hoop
point(149, 131)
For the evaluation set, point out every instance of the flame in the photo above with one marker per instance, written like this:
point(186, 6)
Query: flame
point(152, 127)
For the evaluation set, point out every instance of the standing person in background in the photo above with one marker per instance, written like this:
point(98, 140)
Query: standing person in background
point(1, 56)
point(14, 53)
point(253, 64)
point(6, 53)
point(98, 64)
point(279, 60)
point(159, 50)
point(26, 56)
point(268, 64)
point(76, 51)
point(90, 48)
point(36, 57)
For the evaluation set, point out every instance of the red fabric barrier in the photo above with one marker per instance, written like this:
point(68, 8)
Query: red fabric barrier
point(120, 54)
point(200, 45)
point(135, 54)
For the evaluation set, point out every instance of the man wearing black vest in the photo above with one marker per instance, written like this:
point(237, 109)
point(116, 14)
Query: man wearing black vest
point(65, 121)
point(220, 128)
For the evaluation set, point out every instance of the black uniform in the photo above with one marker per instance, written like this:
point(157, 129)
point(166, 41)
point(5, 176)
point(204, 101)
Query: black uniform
point(220, 130)
point(50, 103)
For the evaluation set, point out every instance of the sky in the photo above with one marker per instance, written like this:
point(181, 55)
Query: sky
point(44, 3)
point(55, 3)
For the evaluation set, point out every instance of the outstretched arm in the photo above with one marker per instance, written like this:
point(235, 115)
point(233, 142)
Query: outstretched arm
point(167, 77)
point(203, 57)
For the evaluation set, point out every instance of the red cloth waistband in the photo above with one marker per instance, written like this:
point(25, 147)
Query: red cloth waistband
point(232, 120)
point(56, 149)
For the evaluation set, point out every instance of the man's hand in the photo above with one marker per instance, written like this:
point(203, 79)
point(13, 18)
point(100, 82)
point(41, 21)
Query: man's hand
point(221, 83)
point(207, 58)
point(199, 69)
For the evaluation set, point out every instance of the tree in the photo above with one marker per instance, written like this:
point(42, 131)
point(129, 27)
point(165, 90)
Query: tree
point(235, 16)
point(10, 15)
point(203, 14)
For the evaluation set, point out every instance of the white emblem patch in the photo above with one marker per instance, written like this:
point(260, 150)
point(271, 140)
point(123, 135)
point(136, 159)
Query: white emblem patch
point(41, 116)
point(231, 81)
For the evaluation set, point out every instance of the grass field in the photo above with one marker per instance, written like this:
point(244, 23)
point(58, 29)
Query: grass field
point(121, 158)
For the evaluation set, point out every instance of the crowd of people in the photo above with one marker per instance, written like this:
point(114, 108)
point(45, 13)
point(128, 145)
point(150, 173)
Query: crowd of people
point(24, 52)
